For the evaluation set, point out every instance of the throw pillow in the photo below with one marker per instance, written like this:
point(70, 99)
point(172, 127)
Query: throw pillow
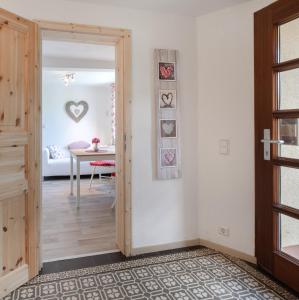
point(79, 145)
point(56, 152)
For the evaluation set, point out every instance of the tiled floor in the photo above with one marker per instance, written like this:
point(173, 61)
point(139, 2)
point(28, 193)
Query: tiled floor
point(109, 258)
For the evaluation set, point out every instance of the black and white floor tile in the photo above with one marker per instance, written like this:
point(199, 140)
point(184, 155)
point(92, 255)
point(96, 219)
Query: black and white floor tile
point(200, 274)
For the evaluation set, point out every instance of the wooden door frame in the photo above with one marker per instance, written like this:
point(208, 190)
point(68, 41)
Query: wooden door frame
point(121, 39)
point(267, 114)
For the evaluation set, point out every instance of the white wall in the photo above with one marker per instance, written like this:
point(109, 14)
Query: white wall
point(59, 128)
point(215, 190)
point(226, 111)
point(163, 211)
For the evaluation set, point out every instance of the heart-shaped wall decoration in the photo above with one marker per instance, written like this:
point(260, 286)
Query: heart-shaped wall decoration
point(168, 157)
point(167, 71)
point(76, 110)
point(167, 99)
point(168, 128)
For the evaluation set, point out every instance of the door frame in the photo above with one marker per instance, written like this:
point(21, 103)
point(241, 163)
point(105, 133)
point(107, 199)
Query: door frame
point(267, 206)
point(121, 39)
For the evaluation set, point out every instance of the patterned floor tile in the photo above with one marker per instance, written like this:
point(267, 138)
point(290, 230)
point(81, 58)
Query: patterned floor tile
point(200, 274)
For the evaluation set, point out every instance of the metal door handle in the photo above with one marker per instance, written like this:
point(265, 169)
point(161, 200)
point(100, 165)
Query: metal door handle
point(267, 142)
point(273, 141)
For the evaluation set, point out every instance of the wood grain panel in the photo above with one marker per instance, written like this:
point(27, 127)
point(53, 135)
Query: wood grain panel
point(12, 171)
point(13, 279)
point(81, 28)
point(19, 151)
point(128, 150)
point(120, 146)
point(7, 139)
point(12, 80)
point(13, 233)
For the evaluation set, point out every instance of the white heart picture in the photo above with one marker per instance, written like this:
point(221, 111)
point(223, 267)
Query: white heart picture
point(76, 110)
point(167, 99)
point(168, 128)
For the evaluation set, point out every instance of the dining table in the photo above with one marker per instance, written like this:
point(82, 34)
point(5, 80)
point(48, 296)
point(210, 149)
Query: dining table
point(80, 155)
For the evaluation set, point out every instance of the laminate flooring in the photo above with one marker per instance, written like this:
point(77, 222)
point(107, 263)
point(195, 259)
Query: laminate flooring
point(68, 231)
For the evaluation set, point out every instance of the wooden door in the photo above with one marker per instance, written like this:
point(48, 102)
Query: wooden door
point(19, 152)
point(277, 140)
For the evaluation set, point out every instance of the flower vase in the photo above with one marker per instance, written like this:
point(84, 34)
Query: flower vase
point(95, 147)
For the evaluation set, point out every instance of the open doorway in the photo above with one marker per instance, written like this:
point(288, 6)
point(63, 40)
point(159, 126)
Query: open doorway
point(21, 135)
point(78, 116)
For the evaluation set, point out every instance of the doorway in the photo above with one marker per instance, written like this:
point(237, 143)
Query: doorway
point(78, 108)
point(277, 140)
point(20, 139)
point(120, 40)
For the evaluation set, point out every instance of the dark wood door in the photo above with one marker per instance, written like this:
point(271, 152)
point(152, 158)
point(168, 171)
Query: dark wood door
point(276, 36)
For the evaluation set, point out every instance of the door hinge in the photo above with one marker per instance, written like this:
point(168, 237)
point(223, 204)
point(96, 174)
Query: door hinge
point(125, 142)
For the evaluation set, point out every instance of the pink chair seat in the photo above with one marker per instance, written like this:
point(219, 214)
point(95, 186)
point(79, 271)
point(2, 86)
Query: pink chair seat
point(103, 163)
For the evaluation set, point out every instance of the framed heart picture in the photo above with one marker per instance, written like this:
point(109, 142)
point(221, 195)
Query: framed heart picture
point(167, 71)
point(168, 158)
point(167, 99)
point(168, 128)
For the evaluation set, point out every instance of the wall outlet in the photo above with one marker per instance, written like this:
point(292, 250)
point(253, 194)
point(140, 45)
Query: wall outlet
point(223, 231)
point(224, 147)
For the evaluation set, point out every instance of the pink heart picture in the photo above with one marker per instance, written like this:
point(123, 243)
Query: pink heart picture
point(167, 71)
point(168, 157)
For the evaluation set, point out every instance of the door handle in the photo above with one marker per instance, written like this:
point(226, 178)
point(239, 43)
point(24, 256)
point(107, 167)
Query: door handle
point(267, 141)
point(279, 142)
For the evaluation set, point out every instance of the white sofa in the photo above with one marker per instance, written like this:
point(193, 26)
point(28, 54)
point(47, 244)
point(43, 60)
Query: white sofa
point(61, 167)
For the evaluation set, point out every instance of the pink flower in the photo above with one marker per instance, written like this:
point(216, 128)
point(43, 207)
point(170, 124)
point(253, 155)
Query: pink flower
point(95, 140)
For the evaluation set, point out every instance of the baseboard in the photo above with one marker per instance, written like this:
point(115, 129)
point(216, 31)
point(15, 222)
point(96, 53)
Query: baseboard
point(164, 247)
point(68, 177)
point(80, 255)
point(229, 251)
point(195, 242)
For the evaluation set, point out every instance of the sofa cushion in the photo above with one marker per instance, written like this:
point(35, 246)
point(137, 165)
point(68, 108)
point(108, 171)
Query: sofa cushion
point(56, 152)
point(79, 145)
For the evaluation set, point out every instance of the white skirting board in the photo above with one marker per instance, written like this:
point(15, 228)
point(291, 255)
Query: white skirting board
point(167, 110)
point(195, 242)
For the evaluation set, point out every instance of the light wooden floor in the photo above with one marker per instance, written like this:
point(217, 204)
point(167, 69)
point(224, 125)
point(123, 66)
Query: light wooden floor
point(67, 231)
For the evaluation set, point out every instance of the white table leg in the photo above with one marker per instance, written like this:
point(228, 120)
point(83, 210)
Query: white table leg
point(72, 175)
point(78, 181)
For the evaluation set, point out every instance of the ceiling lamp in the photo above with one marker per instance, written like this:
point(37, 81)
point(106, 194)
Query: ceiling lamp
point(68, 78)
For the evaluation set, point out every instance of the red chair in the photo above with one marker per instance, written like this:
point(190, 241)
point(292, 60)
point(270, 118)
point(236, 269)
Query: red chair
point(104, 167)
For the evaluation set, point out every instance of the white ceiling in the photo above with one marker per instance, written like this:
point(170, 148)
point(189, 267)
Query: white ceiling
point(82, 78)
point(78, 50)
point(179, 7)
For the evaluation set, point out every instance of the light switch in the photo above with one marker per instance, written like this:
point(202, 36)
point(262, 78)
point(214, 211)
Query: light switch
point(224, 147)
